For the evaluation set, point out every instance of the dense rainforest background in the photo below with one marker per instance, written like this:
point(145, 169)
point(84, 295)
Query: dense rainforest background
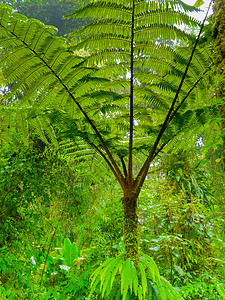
point(112, 157)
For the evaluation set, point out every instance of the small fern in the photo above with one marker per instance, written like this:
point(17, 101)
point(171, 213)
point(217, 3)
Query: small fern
point(120, 278)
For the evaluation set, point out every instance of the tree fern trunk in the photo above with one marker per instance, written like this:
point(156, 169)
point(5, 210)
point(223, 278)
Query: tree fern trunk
point(219, 43)
point(130, 227)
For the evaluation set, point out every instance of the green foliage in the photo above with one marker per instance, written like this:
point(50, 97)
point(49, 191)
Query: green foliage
point(23, 182)
point(157, 66)
point(71, 101)
point(221, 290)
point(59, 78)
point(50, 12)
point(196, 245)
point(186, 174)
point(70, 252)
point(185, 239)
point(198, 3)
point(201, 290)
point(29, 46)
point(121, 278)
point(72, 203)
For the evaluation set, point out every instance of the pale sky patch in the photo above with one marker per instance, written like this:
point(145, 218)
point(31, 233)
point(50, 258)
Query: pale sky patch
point(200, 15)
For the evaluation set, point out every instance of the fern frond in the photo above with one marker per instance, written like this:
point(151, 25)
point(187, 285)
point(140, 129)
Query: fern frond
point(35, 61)
point(39, 67)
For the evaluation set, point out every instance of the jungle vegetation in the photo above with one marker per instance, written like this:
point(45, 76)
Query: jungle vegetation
point(112, 152)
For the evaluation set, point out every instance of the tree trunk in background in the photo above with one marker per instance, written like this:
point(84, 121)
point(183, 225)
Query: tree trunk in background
point(219, 43)
point(130, 227)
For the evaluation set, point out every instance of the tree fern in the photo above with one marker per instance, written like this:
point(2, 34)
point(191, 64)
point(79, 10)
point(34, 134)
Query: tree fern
point(129, 93)
point(140, 47)
point(55, 73)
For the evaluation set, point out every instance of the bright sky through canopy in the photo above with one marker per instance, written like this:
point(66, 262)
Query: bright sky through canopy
point(200, 15)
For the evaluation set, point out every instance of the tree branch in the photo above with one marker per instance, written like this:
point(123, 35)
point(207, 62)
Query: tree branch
point(124, 167)
point(162, 146)
point(121, 182)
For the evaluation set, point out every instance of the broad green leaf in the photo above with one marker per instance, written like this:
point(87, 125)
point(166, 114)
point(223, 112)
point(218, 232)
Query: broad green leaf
point(199, 3)
point(70, 251)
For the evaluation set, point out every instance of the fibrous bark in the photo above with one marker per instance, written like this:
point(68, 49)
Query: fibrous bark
point(130, 227)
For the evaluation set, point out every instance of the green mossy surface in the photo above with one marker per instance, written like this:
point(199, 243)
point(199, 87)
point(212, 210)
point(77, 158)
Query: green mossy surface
point(130, 228)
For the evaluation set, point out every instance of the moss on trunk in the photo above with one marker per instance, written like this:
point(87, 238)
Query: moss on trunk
point(130, 227)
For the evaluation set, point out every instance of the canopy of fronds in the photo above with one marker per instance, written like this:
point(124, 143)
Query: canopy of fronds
point(94, 89)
